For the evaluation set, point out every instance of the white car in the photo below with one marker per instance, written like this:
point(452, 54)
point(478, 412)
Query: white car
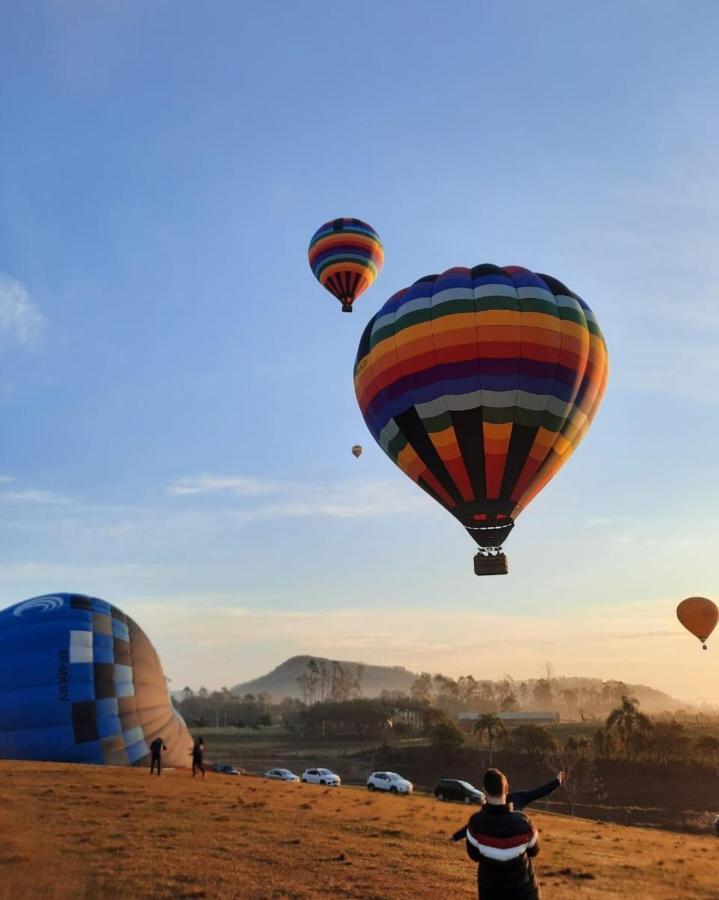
point(321, 776)
point(389, 781)
point(282, 775)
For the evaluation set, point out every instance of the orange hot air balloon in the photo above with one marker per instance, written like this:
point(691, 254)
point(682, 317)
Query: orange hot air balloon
point(699, 616)
point(357, 450)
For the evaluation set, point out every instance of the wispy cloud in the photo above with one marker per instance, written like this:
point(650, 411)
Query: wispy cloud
point(20, 318)
point(237, 485)
point(31, 496)
point(342, 500)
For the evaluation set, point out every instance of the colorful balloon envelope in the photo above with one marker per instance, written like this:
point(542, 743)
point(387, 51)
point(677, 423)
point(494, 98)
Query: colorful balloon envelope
point(346, 256)
point(699, 616)
point(81, 682)
point(357, 451)
point(479, 384)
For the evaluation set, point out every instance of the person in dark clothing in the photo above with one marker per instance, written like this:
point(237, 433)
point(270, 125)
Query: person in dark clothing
point(198, 751)
point(519, 799)
point(156, 748)
point(502, 842)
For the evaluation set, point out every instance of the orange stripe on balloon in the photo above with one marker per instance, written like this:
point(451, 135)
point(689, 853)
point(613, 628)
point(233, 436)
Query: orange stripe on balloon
point(496, 444)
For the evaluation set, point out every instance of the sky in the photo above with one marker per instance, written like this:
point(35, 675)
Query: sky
point(176, 398)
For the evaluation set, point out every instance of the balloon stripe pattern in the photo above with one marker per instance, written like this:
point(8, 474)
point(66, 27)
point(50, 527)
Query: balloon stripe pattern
point(81, 682)
point(346, 256)
point(479, 384)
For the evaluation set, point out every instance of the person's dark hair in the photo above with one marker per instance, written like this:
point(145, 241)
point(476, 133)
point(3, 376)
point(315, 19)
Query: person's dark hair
point(495, 782)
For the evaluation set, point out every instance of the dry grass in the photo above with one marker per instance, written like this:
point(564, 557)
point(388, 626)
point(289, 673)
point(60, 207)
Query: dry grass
point(91, 832)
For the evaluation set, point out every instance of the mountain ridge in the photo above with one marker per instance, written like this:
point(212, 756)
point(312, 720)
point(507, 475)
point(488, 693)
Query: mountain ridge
point(282, 682)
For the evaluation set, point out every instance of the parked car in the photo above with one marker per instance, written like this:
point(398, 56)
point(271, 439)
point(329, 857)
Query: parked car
point(321, 776)
point(224, 769)
point(389, 781)
point(454, 789)
point(282, 775)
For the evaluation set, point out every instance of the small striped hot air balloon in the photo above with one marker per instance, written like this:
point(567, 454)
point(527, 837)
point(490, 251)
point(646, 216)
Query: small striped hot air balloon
point(479, 384)
point(345, 256)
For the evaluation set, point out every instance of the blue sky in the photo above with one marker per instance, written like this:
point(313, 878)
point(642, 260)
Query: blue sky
point(175, 389)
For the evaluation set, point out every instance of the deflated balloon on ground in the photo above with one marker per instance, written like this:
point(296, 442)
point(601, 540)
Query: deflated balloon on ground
point(81, 682)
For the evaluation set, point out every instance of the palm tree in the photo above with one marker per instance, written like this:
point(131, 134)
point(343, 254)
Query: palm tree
point(630, 725)
point(492, 725)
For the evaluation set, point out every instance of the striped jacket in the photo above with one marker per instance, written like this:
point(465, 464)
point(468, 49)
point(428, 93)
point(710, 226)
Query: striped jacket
point(502, 842)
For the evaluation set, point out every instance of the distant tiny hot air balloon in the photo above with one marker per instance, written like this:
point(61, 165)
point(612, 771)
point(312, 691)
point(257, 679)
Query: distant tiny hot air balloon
point(479, 384)
point(81, 682)
point(699, 616)
point(357, 450)
point(345, 256)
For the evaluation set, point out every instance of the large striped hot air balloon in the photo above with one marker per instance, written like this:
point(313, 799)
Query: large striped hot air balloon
point(81, 682)
point(479, 384)
point(345, 256)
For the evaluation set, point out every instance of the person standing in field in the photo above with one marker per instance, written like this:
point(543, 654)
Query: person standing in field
point(502, 841)
point(156, 748)
point(519, 799)
point(198, 751)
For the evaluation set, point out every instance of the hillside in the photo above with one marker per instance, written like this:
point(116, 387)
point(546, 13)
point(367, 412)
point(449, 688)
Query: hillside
point(97, 833)
point(588, 692)
point(282, 681)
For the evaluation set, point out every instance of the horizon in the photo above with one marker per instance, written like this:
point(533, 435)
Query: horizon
point(176, 391)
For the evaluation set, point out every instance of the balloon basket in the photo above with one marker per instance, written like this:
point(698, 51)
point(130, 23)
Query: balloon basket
point(491, 563)
point(346, 307)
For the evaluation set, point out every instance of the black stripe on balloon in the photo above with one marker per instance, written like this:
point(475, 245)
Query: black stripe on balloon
point(410, 424)
point(520, 443)
point(84, 721)
point(355, 283)
point(432, 493)
point(338, 225)
point(556, 286)
point(487, 269)
point(334, 286)
point(470, 438)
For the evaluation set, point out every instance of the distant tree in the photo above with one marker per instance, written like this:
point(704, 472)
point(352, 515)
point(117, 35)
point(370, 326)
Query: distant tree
point(444, 734)
point(422, 687)
point(708, 747)
point(447, 694)
point(187, 692)
point(542, 696)
point(357, 681)
point(630, 726)
point(600, 743)
point(667, 740)
point(582, 781)
point(532, 741)
point(309, 681)
point(492, 726)
point(323, 681)
point(467, 690)
point(569, 701)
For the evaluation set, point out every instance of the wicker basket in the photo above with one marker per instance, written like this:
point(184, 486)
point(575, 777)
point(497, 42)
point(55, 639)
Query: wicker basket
point(491, 564)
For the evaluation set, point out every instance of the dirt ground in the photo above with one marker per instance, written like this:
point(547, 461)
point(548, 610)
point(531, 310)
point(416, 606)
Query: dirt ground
point(92, 832)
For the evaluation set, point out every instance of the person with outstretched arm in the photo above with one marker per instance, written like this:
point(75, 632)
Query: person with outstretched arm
point(519, 799)
point(156, 748)
point(502, 841)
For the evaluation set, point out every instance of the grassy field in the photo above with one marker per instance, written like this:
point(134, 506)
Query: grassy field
point(91, 832)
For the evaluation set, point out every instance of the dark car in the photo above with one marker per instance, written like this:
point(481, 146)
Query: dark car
point(224, 769)
point(454, 789)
